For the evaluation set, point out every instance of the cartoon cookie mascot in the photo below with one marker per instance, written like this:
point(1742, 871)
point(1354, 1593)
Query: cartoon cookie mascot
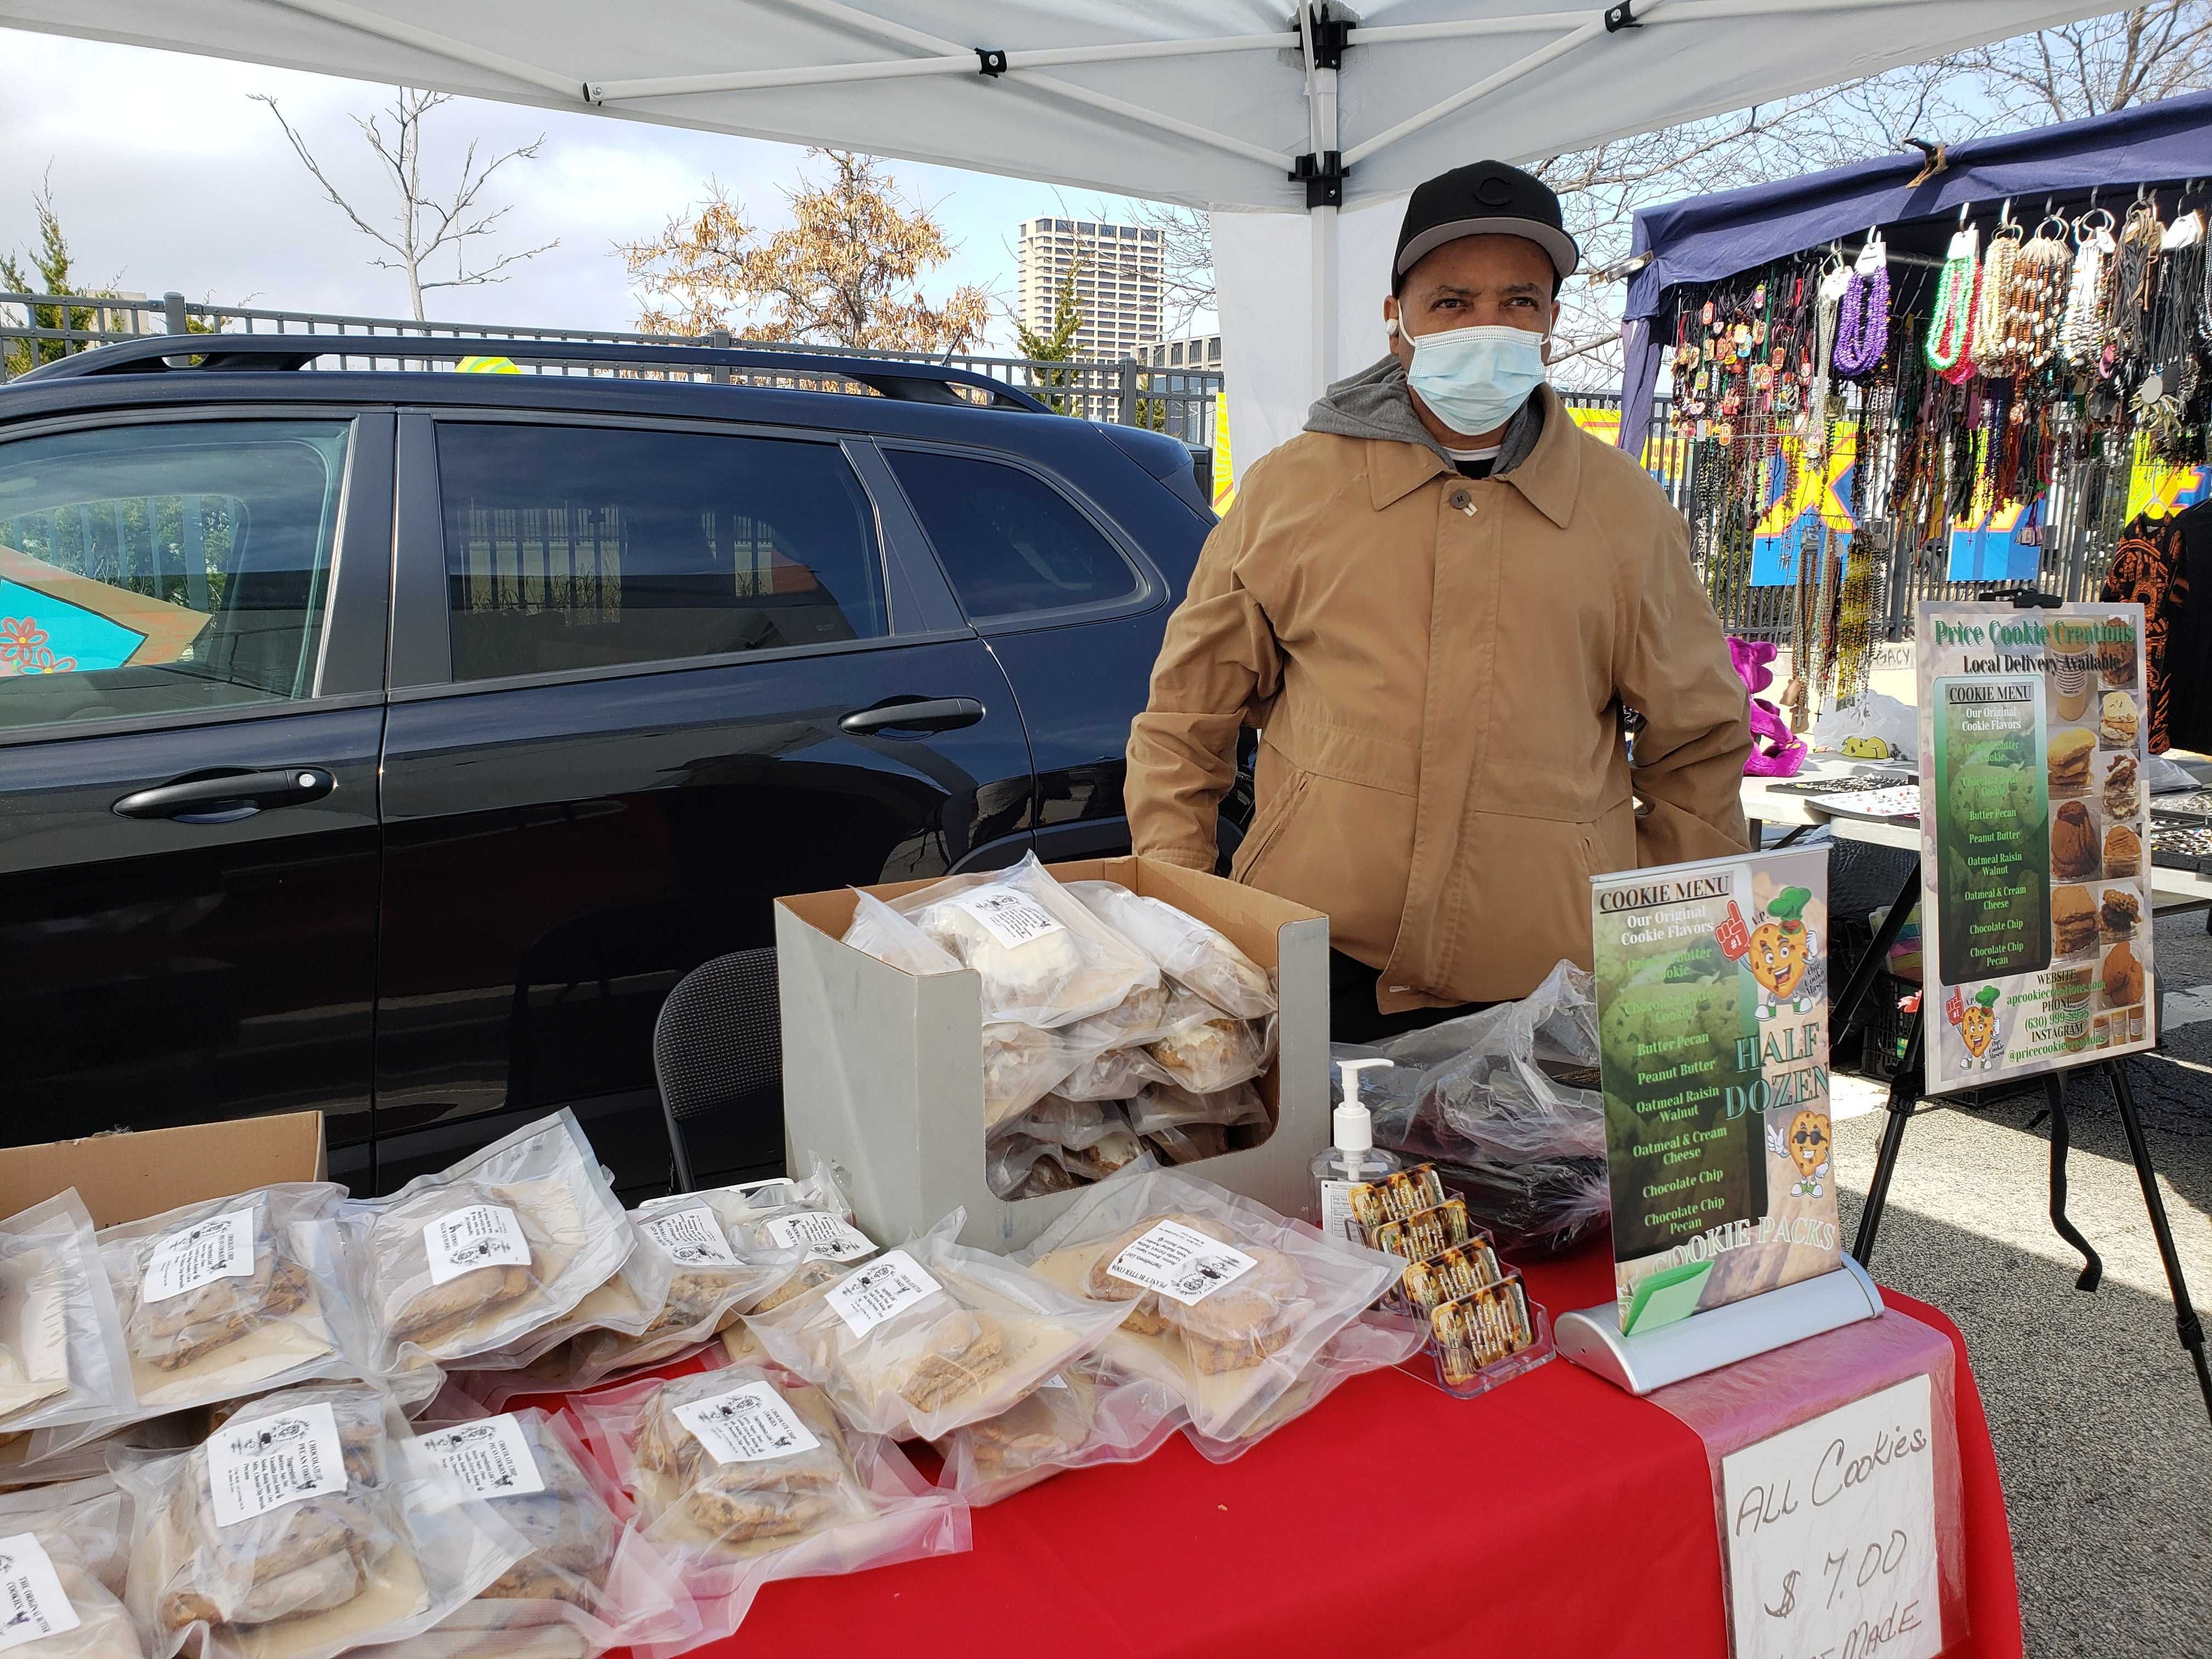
point(1783, 956)
point(1978, 1029)
point(1809, 1147)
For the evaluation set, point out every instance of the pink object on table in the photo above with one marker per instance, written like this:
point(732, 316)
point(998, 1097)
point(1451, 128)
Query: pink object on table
point(1775, 750)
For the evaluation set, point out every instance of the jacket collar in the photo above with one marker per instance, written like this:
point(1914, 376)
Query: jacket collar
point(1549, 477)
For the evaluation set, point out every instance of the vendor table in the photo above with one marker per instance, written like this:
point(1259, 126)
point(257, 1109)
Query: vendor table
point(1554, 1515)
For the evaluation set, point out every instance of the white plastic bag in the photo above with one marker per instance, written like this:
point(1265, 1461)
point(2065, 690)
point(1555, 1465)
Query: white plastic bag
point(1088, 1415)
point(1189, 952)
point(592, 1581)
point(1370, 1343)
point(1872, 726)
point(238, 1295)
point(886, 935)
point(1118, 1073)
point(68, 1552)
point(1021, 1066)
point(300, 1528)
point(472, 1260)
point(1191, 1143)
point(743, 1477)
point(1223, 1300)
point(1166, 1106)
point(1043, 957)
point(62, 1356)
point(930, 1335)
point(1093, 1138)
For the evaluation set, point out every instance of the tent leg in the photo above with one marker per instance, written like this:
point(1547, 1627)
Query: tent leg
point(1322, 221)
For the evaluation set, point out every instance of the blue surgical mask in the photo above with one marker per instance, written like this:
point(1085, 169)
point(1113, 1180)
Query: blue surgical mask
point(1473, 379)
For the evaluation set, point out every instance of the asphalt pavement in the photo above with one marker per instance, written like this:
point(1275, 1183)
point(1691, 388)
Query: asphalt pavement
point(2101, 1436)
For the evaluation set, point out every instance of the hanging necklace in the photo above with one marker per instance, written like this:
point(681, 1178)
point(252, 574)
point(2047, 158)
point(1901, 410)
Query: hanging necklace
point(1992, 343)
point(1951, 324)
point(1827, 305)
point(2038, 300)
point(2085, 295)
point(1863, 317)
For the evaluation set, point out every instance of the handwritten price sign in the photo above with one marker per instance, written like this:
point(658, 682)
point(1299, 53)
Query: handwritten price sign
point(1830, 1529)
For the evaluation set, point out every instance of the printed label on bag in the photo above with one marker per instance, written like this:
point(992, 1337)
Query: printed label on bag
point(1181, 1262)
point(478, 1236)
point(32, 1605)
point(1055, 1381)
point(257, 1467)
point(1010, 916)
point(490, 1457)
point(1336, 1217)
point(221, 1247)
point(825, 1235)
point(746, 1425)
point(867, 1296)
point(693, 1236)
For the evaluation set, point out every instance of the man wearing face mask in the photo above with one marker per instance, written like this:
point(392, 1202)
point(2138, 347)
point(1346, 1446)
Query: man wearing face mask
point(1435, 603)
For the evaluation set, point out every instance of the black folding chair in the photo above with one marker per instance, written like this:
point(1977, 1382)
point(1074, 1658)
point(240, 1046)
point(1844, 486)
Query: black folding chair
point(718, 1049)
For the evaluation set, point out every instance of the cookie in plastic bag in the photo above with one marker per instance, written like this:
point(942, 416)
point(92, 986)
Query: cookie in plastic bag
point(67, 1554)
point(1370, 1343)
point(1206, 1051)
point(1189, 952)
point(743, 1477)
point(472, 1260)
point(63, 1362)
point(1043, 957)
point(1222, 1299)
point(925, 1338)
point(300, 1528)
point(1087, 1414)
point(1165, 1106)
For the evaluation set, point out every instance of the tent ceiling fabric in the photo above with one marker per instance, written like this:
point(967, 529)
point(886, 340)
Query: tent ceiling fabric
point(1212, 116)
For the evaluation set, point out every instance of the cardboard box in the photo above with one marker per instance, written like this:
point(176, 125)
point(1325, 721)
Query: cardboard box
point(128, 1177)
point(883, 1071)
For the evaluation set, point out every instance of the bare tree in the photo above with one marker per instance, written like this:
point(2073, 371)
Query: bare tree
point(2098, 66)
point(423, 226)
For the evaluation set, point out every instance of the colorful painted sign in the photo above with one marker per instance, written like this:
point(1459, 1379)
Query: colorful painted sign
point(1712, 998)
point(55, 621)
point(2034, 841)
point(1802, 499)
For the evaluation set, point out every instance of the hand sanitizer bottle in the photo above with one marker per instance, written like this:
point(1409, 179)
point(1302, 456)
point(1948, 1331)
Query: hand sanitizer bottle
point(1352, 1159)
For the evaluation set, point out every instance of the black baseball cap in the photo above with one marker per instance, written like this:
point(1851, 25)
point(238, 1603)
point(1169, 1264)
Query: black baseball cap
point(1484, 198)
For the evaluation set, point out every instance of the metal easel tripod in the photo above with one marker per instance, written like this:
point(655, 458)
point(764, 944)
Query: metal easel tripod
point(1904, 1104)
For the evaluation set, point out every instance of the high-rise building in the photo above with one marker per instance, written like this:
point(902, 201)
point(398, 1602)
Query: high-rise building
point(1117, 283)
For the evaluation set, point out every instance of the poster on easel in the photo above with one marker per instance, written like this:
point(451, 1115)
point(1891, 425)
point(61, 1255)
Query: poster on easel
point(2035, 901)
point(1712, 1003)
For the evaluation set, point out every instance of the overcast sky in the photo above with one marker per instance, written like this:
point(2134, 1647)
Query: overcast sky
point(166, 176)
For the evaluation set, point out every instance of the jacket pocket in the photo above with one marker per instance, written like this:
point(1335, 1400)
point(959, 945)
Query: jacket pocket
point(1267, 827)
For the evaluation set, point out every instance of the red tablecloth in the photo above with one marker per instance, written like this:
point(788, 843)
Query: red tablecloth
point(1555, 1514)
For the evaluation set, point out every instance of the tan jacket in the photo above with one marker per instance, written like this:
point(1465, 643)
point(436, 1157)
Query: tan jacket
point(1437, 665)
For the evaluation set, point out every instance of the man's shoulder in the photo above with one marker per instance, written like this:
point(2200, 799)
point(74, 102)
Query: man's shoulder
point(1311, 461)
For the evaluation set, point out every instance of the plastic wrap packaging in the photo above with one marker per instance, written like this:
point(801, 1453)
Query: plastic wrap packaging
point(1087, 1414)
point(86, 1457)
point(1166, 1106)
point(887, 936)
point(65, 1557)
point(1192, 1144)
point(61, 1357)
point(743, 1477)
point(236, 1295)
point(1507, 1104)
point(1092, 1137)
point(1372, 1342)
point(1022, 1064)
point(627, 1306)
point(1043, 957)
point(930, 1335)
point(472, 1260)
point(300, 1528)
point(1222, 1299)
point(592, 1581)
point(1188, 950)
point(1119, 1073)
point(812, 1215)
point(1206, 1051)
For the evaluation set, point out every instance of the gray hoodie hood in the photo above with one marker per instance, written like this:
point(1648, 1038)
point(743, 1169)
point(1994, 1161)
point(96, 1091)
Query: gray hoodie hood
point(1375, 404)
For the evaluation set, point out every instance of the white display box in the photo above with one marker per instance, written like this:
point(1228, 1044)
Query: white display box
point(882, 1070)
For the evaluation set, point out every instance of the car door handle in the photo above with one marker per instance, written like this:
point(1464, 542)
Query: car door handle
point(914, 715)
point(228, 796)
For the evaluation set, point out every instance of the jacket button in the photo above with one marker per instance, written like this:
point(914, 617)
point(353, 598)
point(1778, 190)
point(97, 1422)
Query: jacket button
point(1463, 502)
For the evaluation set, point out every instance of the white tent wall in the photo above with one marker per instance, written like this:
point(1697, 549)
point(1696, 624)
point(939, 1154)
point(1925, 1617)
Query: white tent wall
point(1211, 103)
point(1264, 277)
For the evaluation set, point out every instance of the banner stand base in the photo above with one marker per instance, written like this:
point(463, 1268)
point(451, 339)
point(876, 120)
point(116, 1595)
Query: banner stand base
point(1591, 1337)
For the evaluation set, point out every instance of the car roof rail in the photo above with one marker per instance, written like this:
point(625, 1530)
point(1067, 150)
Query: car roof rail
point(908, 382)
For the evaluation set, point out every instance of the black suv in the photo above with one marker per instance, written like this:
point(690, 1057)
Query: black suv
point(391, 741)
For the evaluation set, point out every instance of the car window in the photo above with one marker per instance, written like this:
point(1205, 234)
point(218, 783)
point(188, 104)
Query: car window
point(571, 547)
point(1011, 542)
point(164, 568)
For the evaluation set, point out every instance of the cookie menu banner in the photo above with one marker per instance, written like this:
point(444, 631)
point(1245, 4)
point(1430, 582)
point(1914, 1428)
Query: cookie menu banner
point(1712, 997)
point(2035, 883)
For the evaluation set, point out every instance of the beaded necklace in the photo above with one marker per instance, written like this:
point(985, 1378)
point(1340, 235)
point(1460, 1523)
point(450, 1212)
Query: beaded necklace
point(1863, 315)
point(2078, 336)
point(1951, 324)
point(2037, 303)
point(1992, 344)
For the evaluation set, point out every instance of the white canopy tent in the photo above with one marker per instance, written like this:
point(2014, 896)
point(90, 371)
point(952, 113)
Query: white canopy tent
point(1240, 106)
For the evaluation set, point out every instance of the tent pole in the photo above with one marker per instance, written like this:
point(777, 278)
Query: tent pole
point(1482, 88)
point(461, 52)
point(1321, 63)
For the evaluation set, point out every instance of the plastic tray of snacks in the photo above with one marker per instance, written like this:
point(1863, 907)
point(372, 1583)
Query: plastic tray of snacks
point(1483, 1327)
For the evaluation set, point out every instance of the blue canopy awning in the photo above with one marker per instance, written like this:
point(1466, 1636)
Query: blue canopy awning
point(1706, 238)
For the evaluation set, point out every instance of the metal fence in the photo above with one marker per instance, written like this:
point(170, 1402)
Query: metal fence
point(37, 328)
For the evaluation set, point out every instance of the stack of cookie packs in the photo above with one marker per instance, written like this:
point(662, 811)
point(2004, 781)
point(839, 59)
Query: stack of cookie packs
point(496, 1414)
